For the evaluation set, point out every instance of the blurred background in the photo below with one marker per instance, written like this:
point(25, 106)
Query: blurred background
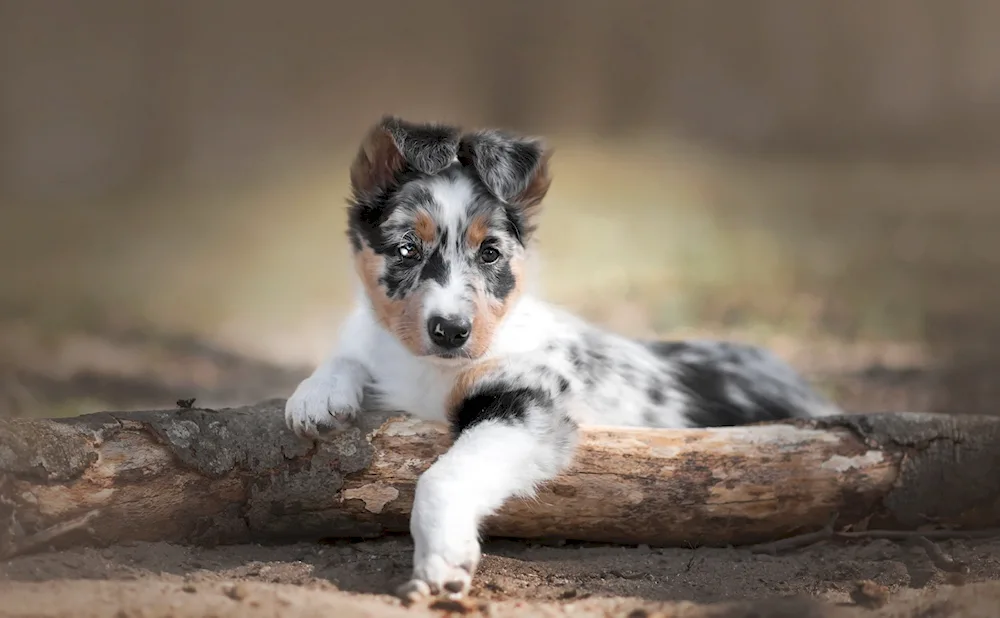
point(817, 176)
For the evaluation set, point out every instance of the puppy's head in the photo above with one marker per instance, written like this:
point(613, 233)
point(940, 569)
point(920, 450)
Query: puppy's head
point(439, 221)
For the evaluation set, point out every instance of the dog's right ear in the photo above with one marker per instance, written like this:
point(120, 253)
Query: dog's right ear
point(394, 145)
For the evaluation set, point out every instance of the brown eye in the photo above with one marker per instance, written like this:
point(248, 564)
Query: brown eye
point(408, 251)
point(489, 255)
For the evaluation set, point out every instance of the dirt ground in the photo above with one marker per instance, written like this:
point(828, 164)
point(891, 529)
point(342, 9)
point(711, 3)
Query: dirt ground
point(347, 579)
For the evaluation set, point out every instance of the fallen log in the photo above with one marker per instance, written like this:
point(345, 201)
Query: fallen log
point(238, 475)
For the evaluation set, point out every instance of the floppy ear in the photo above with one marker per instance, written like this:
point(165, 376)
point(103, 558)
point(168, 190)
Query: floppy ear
point(394, 145)
point(514, 169)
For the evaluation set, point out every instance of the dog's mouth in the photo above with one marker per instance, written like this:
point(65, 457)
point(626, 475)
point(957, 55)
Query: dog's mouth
point(449, 358)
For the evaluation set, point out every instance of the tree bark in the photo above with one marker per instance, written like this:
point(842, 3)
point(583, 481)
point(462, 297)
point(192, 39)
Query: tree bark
point(237, 475)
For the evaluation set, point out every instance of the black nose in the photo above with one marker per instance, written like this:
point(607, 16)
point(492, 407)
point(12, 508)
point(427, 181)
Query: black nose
point(449, 333)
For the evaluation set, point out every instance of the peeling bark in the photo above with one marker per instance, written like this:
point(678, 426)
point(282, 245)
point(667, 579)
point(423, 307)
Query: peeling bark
point(208, 477)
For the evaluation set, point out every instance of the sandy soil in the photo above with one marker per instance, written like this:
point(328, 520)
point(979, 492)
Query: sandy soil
point(348, 579)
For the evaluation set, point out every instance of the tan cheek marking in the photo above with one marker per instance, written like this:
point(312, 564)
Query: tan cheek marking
point(425, 227)
point(408, 325)
point(464, 383)
point(369, 266)
point(490, 312)
point(476, 233)
point(402, 317)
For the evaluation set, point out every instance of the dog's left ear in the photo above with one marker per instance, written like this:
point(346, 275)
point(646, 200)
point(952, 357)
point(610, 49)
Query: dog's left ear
point(514, 169)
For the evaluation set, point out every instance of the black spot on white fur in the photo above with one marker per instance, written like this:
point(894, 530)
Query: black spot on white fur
point(498, 402)
point(656, 394)
point(499, 278)
point(728, 383)
point(435, 268)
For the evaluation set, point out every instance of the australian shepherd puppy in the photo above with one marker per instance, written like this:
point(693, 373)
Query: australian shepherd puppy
point(441, 223)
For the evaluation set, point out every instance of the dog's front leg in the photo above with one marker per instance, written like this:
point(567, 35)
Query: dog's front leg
point(508, 442)
point(329, 399)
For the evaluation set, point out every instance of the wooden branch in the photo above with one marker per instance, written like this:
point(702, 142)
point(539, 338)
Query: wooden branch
point(206, 477)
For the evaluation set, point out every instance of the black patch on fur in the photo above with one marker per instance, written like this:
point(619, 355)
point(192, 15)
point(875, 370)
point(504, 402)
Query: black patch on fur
point(711, 405)
point(366, 214)
point(668, 348)
point(435, 268)
point(398, 280)
point(590, 359)
point(547, 375)
point(579, 362)
point(655, 394)
point(496, 402)
point(731, 383)
point(500, 280)
point(563, 384)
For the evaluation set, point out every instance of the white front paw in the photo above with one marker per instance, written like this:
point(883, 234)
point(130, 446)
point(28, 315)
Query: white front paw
point(446, 549)
point(320, 406)
point(446, 570)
